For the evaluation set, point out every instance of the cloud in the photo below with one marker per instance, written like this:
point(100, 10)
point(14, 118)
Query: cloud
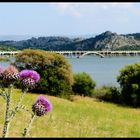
point(77, 8)
point(64, 6)
point(68, 8)
point(99, 10)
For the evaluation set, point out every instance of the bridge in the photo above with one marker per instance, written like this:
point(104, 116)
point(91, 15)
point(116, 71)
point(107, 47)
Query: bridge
point(102, 54)
point(9, 52)
point(80, 54)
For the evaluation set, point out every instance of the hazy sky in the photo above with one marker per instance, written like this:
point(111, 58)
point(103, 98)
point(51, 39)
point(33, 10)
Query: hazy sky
point(68, 18)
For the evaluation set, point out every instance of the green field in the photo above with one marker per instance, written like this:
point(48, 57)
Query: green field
point(84, 117)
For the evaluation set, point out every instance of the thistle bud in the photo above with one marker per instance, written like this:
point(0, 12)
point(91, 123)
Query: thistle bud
point(10, 74)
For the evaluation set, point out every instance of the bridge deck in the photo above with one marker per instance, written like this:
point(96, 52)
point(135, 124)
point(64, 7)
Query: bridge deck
point(81, 53)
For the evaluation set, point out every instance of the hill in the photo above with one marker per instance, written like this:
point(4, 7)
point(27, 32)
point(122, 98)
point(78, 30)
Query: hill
point(83, 117)
point(104, 41)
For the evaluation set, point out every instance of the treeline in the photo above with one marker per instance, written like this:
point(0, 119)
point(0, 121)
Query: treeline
point(7, 48)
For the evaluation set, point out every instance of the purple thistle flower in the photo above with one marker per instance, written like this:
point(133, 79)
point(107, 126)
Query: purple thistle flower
point(42, 106)
point(29, 77)
point(30, 74)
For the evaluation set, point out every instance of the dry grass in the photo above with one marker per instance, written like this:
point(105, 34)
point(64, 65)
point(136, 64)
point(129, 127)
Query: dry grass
point(84, 117)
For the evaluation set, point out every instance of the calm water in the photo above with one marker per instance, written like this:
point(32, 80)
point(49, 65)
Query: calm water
point(4, 64)
point(102, 70)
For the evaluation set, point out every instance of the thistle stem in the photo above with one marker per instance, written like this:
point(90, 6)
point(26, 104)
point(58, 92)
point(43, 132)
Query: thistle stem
point(6, 123)
point(17, 106)
point(27, 129)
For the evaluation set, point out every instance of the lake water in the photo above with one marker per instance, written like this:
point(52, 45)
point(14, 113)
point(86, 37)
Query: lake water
point(103, 70)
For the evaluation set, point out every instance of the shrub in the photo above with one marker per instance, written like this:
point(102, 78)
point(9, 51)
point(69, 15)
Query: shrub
point(129, 80)
point(83, 84)
point(108, 93)
point(4, 59)
point(54, 69)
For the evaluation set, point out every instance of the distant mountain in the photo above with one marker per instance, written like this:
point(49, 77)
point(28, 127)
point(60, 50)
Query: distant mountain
point(105, 41)
point(25, 37)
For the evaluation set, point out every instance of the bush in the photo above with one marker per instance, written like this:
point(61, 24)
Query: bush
point(83, 84)
point(129, 80)
point(108, 93)
point(54, 69)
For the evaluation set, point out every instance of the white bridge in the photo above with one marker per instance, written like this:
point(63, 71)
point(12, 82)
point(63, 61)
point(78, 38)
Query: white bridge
point(79, 54)
point(9, 52)
point(98, 53)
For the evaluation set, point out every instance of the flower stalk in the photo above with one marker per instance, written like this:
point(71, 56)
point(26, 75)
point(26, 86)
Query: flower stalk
point(17, 106)
point(6, 123)
point(27, 129)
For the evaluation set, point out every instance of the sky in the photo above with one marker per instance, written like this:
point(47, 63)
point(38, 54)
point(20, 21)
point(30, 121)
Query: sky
point(63, 18)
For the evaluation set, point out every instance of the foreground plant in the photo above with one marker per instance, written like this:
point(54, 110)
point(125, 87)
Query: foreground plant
point(8, 76)
point(41, 107)
point(29, 79)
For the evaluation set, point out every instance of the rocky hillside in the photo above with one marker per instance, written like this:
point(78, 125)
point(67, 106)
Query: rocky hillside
point(104, 41)
point(113, 41)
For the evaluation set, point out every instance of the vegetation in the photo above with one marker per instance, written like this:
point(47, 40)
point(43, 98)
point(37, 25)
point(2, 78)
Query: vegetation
point(108, 93)
point(7, 48)
point(128, 48)
point(4, 59)
point(129, 80)
point(71, 119)
point(55, 71)
point(83, 84)
point(84, 117)
point(135, 35)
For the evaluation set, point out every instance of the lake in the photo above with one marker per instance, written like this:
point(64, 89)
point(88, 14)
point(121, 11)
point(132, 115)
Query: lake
point(103, 70)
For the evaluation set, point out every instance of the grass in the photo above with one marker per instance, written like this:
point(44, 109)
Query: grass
point(4, 59)
point(84, 117)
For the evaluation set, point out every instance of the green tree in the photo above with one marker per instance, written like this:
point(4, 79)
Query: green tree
point(108, 93)
point(129, 80)
point(83, 84)
point(7, 48)
point(54, 69)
